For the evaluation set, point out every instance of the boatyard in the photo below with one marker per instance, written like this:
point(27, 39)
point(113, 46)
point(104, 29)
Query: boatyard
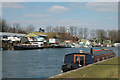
point(38, 40)
point(59, 40)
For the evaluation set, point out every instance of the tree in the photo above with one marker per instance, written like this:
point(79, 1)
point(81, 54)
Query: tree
point(71, 30)
point(92, 34)
point(30, 29)
point(80, 32)
point(48, 29)
point(16, 27)
point(114, 35)
point(41, 30)
point(101, 34)
point(85, 33)
point(62, 29)
point(75, 31)
point(4, 26)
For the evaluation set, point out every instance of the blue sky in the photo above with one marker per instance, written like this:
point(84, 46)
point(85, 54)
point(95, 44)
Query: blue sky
point(98, 15)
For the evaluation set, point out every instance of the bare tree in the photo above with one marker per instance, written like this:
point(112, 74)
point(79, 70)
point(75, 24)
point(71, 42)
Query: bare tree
point(16, 27)
point(62, 29)
point(93, 34)
point(80, 32)
point(0, 25)
point(4, 26)
point(71, 30)
point(85, 32)
point(75, 31)
point(48, 29)
point(30, 29)
point(101, 34)
point(56, 29)
point(113, 34)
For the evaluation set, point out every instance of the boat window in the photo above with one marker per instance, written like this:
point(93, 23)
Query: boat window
point(106, 57)
point(103, 58)
point(41, 44)
point(77, 59)
point(98, 59)
point(81, 60)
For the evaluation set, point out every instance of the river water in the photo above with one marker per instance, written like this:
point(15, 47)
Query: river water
point(42, 63)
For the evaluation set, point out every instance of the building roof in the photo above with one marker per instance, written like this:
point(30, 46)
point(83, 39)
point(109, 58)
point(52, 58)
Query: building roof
point(35, 34)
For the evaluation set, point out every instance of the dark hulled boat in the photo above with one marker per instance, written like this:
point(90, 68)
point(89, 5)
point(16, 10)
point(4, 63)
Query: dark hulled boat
point(29, 46)
point(77, 60)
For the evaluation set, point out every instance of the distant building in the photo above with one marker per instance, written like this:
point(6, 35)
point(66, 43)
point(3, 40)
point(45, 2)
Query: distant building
point(68, 41)
point(68, 33)
point(107, 41)
point(38, 35)
point(54, 41)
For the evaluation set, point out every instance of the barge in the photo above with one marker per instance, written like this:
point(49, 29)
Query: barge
point(33, 45)
point(81, 59)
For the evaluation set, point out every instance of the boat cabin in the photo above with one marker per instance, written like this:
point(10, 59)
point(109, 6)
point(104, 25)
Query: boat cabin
point(76, 60)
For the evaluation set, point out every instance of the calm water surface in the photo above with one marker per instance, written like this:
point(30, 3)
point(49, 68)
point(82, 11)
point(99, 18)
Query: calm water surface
point(41, 63)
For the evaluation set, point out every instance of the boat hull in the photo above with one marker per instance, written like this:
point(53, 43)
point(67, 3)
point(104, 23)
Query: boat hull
point(26, 48)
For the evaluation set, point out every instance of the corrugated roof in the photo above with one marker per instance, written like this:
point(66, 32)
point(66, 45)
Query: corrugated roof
point(35, 34)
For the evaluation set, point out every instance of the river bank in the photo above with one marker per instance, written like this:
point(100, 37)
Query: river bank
point(104, 69)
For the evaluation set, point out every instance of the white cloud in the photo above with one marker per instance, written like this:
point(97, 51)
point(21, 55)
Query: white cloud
point(58, 9)
point(12, 5)
point(36, 15)
point(103, 6)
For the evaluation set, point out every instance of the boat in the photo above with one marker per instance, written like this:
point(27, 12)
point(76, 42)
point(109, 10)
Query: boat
point(33, 45)
point(81, 59)
point(60, 46)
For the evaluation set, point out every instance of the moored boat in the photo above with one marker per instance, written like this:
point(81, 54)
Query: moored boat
point(34, 45)
point(80, 59)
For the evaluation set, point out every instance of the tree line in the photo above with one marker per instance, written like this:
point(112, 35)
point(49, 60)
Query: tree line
point(81, 32)
point(15, 28)
point(85, 33)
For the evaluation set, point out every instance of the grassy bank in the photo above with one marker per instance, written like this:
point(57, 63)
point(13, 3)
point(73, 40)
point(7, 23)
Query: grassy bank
point(104, 69)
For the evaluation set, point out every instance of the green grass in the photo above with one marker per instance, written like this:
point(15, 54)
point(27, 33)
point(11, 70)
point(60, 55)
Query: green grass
point(105, 69)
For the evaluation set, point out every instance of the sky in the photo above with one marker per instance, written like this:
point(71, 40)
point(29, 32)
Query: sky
point(92, 15)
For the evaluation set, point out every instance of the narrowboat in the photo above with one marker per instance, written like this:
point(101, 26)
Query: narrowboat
point(81, 59)
point(60, 46)
point(33, 45)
